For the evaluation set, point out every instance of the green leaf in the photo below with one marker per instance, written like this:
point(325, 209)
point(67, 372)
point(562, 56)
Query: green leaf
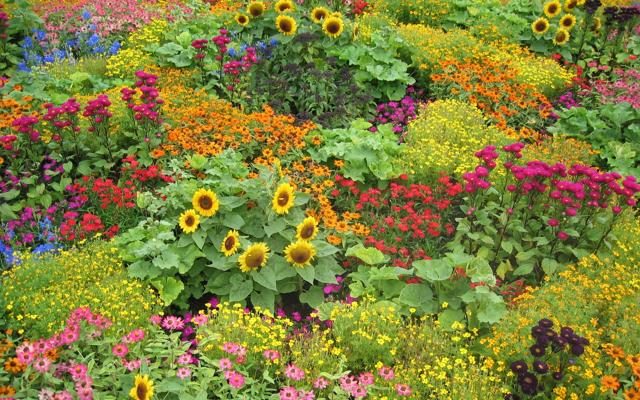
point(265, 299)
point(275, 226)
point(169, 289)
point(266, 277)
point(416, 295)
point(199, 237)
point(434, 270)
point(233, 221)
point(504, 268)
point(326, 270)
point(313, 297)
point(323, 248)
point(448, 317)
point(549, 266)
point(507, 246)
point(368, 255)
point(240, 291)
point(166, 260)
point(524, 269)
point(307, 273)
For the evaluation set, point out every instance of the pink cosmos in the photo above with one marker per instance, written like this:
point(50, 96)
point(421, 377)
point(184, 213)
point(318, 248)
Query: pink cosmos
point(386, 373)
point(288, 393)
point(200, 319)
point(230, 347)
point(185, 359)
point(304, 395)
point(320, 383)
point(403, 389)
point(173, 323)
point(135, 336)
point(366, 378)
point(294, 373)
point(183, 373)
point(155, 319)
point(133, 365)
point(271, 355)
point(225, 364)
point(120, 350)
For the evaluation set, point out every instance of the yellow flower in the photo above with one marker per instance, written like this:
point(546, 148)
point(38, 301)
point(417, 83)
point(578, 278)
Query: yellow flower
point(230, 244)
point(283, 198)
point(286, 25)
point(567, 21)
point(242, 19)
point(318, 14)
point(333, 26)
point(205, 202)
point(189, 221)
point(540, 26)
point(254, 257)
point(256, 8)
point(569, 5)
point(142, 388)
point(308, 229)
point(300, 253)
point(284, 6)
point(562, 37)
point(552, 8)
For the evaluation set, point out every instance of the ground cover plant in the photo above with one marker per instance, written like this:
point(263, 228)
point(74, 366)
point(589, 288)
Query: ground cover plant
point(319, 199)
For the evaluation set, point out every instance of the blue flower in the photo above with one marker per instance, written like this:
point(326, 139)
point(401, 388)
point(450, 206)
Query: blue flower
point(27, 43)
point(92, 27)
point(232, 52)
point(45, 248)
point(98, 50)
point(93, 40)
point(273, 42)
point(38, 59)
point(7, 253)
point(59, 54)
point(115, 47)
point(86, 15)
point(40, 34)
point(49, 58)
point(72, 43)
point(261, 45)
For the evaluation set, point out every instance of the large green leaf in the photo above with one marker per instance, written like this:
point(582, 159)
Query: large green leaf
point(434, 270)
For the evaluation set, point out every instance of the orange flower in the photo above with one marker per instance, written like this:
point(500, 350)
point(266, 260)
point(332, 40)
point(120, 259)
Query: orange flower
point(334, 240)
point(610, 382)
point(14, 366)
point(614, 351)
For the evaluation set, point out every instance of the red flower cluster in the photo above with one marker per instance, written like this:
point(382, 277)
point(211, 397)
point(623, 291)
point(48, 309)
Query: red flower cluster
point(408, 221)
point(75, 228)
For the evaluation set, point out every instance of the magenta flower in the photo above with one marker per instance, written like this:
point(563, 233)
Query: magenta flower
point(320, 383)
point(236, 380)
point(120, 350)
point(42, 365)
point(403, 389)
point(183, 373)
point(386, 373)
point(288, 393)
point(294, 373)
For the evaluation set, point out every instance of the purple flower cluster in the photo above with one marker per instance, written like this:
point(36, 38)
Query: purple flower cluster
point(148, 110)
point(26, 125)
point(221, 41)
point(63, 116)
point(97, 111)
point(397, 113)
point(567, 101)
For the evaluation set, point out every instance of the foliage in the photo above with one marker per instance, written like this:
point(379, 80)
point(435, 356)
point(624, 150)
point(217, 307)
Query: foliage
point(38, 298)
point(443, 138)
point(612, 129)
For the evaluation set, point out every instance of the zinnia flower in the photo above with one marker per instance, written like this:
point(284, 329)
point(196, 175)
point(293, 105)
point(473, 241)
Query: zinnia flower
point(283, 198)
point(552, 8)
point(230, 243)
point(540, 26)
point(286, 25)
point(189, 221)
point(142, 388)
point(254, 257)
point(205, 202)
point(308, 229)
point(300, 253)
point(333, 26)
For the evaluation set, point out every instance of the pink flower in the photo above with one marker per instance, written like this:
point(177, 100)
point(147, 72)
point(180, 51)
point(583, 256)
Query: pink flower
point(42, 365)
point(359, 392)
point(304, 395)
point(155, 319)
point(78, 371)
point(185, 359)
point(294, 373)
point(135, 336)
point(553, 222)
point(236, 380)
point(200, 319)
point(133, 365)
point(173, 323)
point(230, 347)
point(366, 378)
point(120, 350)
point(183, 373)
point(225, 364)
point(271, 355)
point(386, 373)
point(320, 383)
point(403, 389)
point(288, 393)
point(562, 235)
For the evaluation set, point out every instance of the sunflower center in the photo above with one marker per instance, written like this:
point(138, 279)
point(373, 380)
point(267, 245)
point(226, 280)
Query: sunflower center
point(301, 255)
point(307, 231)
point(205, 202)
point(254, 259)
point(553, 9)
point(283, 198)
point(255, 10)
point(229, 243)
point(285, 25)
point(189, 221)
point(320, 15)
point(333, 27)
point(566, 22)
point(540, 26)
point(242, 19)
point(284, 7)
point(141, 391)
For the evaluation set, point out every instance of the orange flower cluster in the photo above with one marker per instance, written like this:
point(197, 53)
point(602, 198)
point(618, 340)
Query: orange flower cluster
point(492, 86)
point(627, 368)
point(11, 109)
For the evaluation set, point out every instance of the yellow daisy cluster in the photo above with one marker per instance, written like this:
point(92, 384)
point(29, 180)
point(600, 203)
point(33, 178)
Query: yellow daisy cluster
point(427, 12)
point(134, 56)
point(546, 75)
point(445, 136)
point(556, 149)
point(257, 331)
point(41, 292)
point(597, 297)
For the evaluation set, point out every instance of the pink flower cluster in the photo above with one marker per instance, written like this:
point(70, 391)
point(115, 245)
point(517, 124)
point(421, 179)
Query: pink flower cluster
point(148, 110)
point(63, 116)
point(26, 125)
point(97, 111)
point(235, 379)
point(221, 41)
point(35, 354)
point(291, 393)
point(623, 88)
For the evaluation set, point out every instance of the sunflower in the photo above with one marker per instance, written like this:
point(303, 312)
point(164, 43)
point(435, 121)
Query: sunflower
point(286, 25)
point(318, 14)
point(308, 229)
point(230, 244)
point(254, 257)
point(569, 5)
point(540, 26)
point(567, 21)
point(300, 253)
point(562, 37)
point(189, 221)
point(552, 8)
point(284, 6)
point(142, 388)
point(597, 24)
point(333, 26)
point(205, 202)
point(242, 19)
point(283, 198)
point(256, 8)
